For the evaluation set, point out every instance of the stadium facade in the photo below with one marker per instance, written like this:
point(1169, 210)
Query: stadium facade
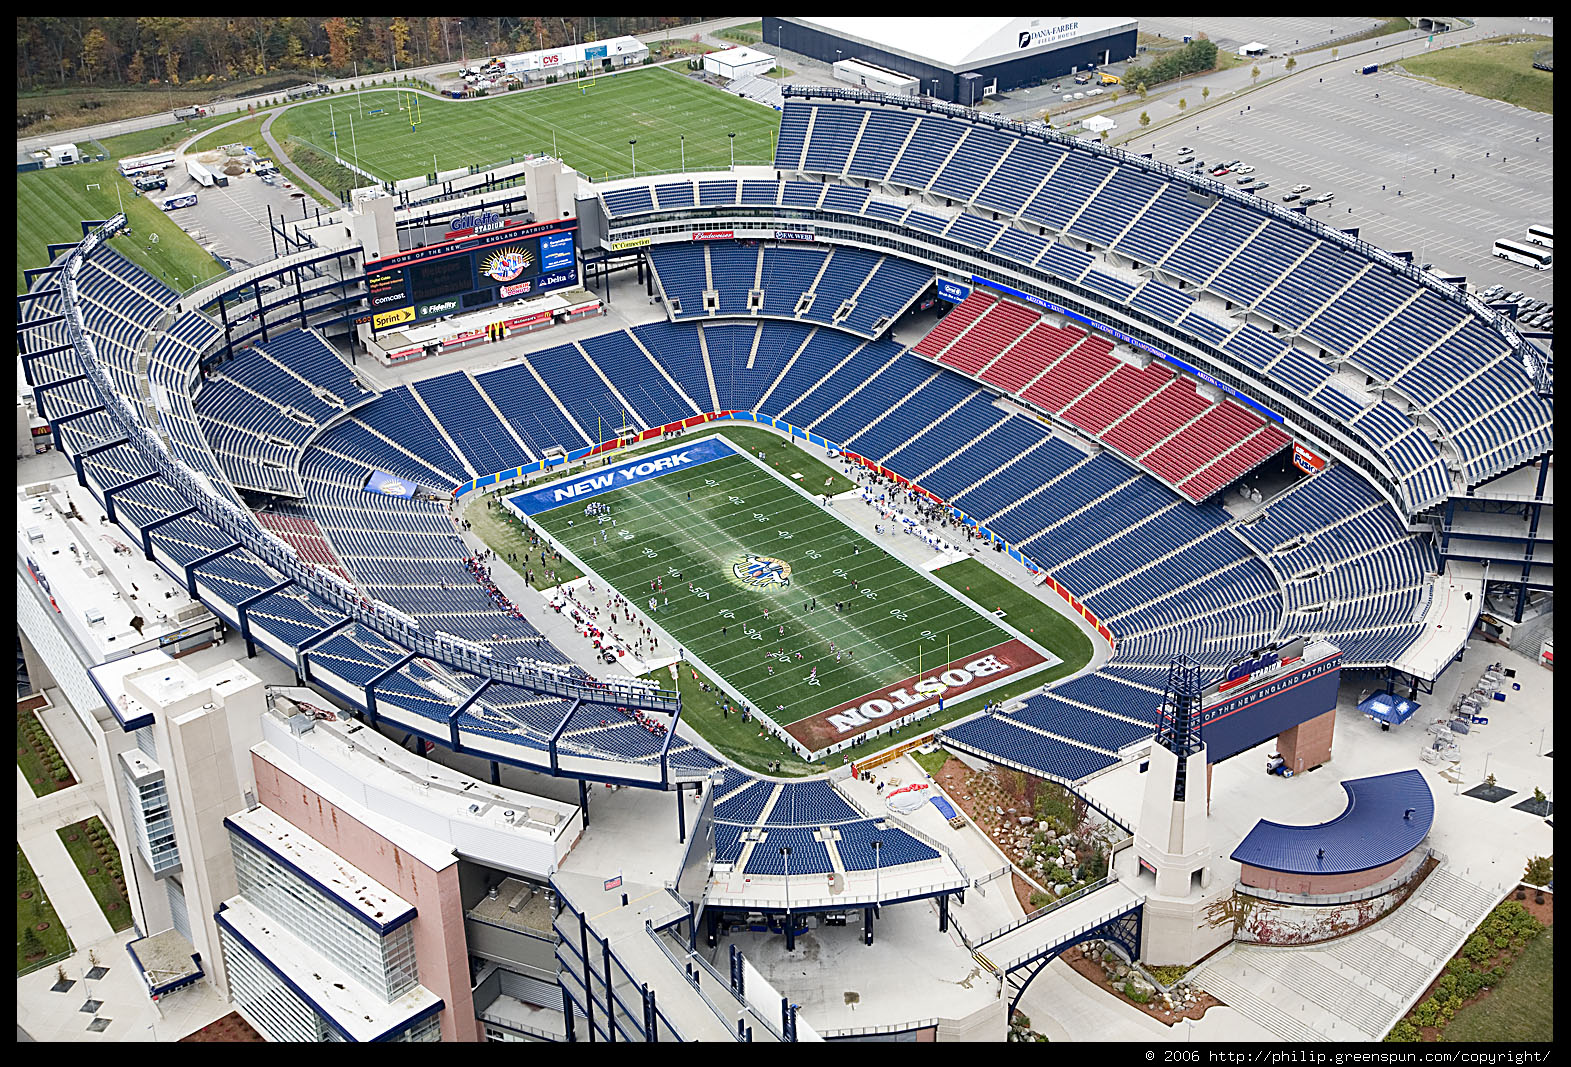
point(960, 59)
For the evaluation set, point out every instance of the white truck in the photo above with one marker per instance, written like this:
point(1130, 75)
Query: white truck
point(200, 174)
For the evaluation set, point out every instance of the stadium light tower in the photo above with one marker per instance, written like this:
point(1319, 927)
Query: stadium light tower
point(733, 149)
point(684, 153)
point(633, 152)
point(463, 56)
point(878, 871)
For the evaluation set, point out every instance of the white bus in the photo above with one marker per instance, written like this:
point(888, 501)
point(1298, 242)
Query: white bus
point(158, 161)
point(177, 200)
point(1541, 235)
point(1527, 255)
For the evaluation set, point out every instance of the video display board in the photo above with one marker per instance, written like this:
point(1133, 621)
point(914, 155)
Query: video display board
point(472, 272)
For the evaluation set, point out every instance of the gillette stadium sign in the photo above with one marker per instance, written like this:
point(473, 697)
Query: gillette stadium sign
point(480, 222)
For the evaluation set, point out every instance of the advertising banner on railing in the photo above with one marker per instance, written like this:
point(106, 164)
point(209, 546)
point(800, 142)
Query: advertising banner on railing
point(383, 484)
point(1306, 460)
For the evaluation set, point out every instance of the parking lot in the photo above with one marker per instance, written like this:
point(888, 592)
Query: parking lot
point(1338, 136)
point(1278, 33)
point(233, 221)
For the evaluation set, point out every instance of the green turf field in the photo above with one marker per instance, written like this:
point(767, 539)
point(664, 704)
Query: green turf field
point(50, 205)
point(588, 129)
point(896, 622)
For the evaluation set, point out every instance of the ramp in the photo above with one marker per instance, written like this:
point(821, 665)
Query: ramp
point(1018, 952)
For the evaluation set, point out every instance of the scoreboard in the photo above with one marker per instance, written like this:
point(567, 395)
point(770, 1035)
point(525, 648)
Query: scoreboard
point(472, 271)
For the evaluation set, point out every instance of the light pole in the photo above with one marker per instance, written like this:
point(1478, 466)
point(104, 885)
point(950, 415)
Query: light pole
point(733, 149)
point(878, 870)
point(633, 152)
point(463, 57)
point(785, 851)
point(684, 153)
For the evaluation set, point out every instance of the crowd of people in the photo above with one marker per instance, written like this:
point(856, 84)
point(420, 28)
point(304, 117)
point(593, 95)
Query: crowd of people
point(477, 566)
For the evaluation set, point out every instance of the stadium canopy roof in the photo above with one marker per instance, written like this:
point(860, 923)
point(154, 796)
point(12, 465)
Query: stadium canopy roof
point(1387, 816)
point(960, 43)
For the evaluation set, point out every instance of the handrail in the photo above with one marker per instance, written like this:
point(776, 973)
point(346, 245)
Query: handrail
point(720, 980)
point(1084, 890)
point(239, 525)
point(1447, 291)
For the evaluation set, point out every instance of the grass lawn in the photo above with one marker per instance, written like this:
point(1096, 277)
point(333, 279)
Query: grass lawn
point(931, 761)
point(696, 528)
point(981, 584)
point(895, 619)
point(588, 129)
point(737, 739)
point(50, 205)
point(308, 160)
point(247, 131)
point(35, 755)
point(1492, 69)
point(142, 142)
point(1520, 1008)
point(970, 579)
point(504, 533)
point(99, 869)
point(747, 33)
point(35, 910)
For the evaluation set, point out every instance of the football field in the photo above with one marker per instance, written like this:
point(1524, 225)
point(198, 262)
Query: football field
point(674, 119)
point(764, 586)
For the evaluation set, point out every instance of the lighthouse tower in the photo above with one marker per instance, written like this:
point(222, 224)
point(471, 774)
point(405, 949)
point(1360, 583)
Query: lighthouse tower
point(1171, 841)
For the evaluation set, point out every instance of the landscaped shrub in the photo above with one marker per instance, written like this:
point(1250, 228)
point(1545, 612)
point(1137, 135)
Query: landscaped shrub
point(1403, 1031)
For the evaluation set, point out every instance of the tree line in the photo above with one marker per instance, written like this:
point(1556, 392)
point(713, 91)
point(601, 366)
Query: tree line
point(124, 51)
point(1193, 58)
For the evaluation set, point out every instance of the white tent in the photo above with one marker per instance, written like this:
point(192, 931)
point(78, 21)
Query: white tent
point(1253, 48)
point(1098, 123)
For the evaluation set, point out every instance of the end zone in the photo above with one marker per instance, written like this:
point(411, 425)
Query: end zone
point(929, 690)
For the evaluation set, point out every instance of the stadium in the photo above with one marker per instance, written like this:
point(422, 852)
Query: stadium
point(1210, 451)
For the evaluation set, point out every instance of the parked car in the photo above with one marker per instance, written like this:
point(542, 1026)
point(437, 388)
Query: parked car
point(1247, 168)
point(1245, 179)
point(1185, 159)
point(1301, 187)
point(1512, 298)
point(1290, 197)
point(1492, 292)
point(1185, 149)
point(1234, 163)
point(1220, 172)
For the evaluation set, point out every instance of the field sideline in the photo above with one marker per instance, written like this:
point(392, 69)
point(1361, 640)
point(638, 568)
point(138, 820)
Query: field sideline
point(741, 554)
point(668, 113)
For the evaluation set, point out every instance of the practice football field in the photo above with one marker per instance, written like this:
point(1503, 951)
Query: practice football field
point(741, 557)
point(674, 119)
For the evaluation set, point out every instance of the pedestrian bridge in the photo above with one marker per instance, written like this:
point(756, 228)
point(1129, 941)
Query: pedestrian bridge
point(1017, 953)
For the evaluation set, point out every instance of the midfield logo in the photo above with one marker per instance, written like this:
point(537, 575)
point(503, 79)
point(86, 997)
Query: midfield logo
point(762, 572)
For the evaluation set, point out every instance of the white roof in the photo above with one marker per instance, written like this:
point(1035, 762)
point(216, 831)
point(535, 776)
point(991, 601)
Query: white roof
point(1098, 123)
point(740, 57)
point(957, 43)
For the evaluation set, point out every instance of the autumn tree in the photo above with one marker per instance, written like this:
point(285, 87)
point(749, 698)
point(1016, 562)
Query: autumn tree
point(340, 42)
point(100, 55)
